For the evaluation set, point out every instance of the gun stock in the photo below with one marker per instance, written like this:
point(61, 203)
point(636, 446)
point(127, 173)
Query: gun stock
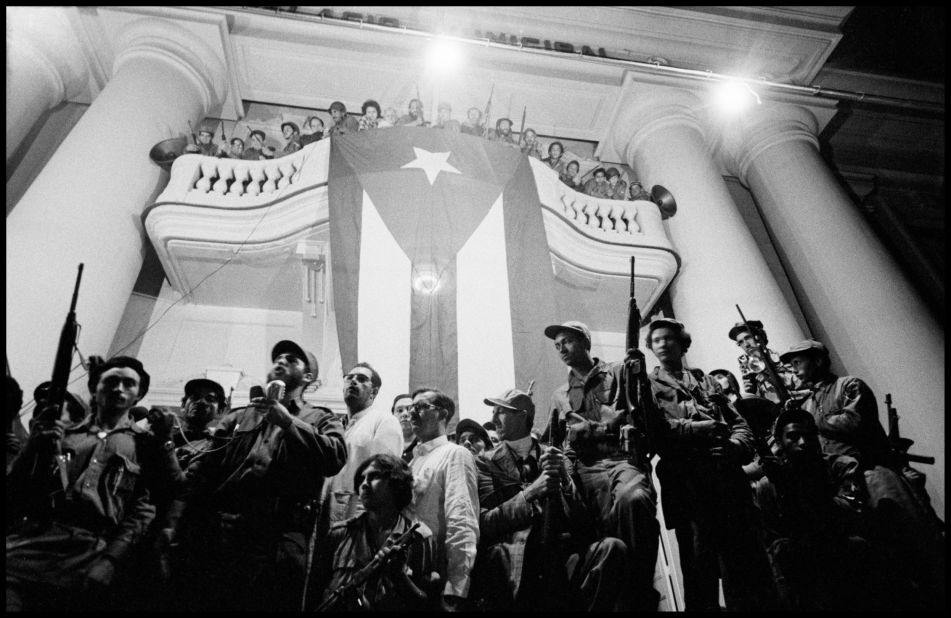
point(900, 445)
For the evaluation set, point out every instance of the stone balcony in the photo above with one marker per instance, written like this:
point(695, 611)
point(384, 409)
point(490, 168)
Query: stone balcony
point(264, 218)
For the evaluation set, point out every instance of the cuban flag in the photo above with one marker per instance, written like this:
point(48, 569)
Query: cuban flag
point(441, 270)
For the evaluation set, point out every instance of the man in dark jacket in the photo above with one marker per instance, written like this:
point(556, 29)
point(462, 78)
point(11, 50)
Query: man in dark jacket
point(72, 537)
point(703, 442)
point(258, 493)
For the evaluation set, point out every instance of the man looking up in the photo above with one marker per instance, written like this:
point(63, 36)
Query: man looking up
point(614, 479)
point(64, 552)
point(445, 492)
point(402, 405)
point(372, 430)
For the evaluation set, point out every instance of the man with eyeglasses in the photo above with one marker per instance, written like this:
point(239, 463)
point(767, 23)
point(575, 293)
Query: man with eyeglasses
point(402, 405)
point(445, 493)
point(257, 491)
point(372, 430)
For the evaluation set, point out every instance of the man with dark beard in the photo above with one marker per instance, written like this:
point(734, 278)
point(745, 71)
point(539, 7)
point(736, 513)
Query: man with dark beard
point(256, 494)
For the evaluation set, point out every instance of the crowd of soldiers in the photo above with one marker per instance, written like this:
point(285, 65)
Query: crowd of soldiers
point(785, 490)
point(603, 183)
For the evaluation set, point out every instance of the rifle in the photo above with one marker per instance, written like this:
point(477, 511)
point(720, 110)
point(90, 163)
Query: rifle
point(898, 444)
point(634, 440)
point(521, 129)
point(192, 130)
point(485, 116)
point(360, 577)
point(60, 380)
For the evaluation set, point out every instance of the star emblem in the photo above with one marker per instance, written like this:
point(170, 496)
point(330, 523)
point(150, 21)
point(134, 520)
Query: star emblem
point(432, 163)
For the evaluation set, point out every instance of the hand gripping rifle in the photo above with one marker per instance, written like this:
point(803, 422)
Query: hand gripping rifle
point(898, 444)
point(372, 568)
point(60, 380)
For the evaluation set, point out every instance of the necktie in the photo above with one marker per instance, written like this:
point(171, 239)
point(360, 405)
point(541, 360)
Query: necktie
point(528, 469)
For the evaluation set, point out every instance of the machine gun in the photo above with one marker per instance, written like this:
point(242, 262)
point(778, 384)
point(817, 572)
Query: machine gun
point(360, 577)
point(60, 380)
point(900, 445)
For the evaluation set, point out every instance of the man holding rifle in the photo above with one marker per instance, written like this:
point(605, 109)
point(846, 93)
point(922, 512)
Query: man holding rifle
point(846, 414)
point(703, 442)
point(66, 549)
point(606, 445)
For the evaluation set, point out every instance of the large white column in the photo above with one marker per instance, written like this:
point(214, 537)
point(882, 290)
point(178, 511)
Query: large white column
point(851, 290)
point(721, 262)
point(45, 66)
point(85, 205)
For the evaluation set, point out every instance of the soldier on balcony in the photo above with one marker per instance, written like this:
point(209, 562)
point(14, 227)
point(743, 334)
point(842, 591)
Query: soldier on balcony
point(293, 137)
point(553, 160)
point(503, 133)
point(255, 152)
point(570, 176)
point(617, 188)
point(597, 185)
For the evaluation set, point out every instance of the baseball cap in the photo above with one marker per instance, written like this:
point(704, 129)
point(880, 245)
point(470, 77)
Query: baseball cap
point(809, 345)
point(513, 399)
point(287, 346)
point(573, 325)
point(739, 327)
point(192, 386)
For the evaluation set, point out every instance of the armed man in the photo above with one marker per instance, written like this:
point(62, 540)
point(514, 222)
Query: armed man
point(846, 415)
point(73, 537)
point(528, 506)
point(612, 470)
point(702, 442)
point(257, 492)
point(750, 335)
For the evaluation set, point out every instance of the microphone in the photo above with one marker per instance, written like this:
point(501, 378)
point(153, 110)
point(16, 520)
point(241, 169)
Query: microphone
point(256, 391)
point(138, 413)
point(275, 390)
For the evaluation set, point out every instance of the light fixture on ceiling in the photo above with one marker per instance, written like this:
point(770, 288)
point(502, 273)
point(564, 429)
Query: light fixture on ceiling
point(734, 96)
point(444, 55)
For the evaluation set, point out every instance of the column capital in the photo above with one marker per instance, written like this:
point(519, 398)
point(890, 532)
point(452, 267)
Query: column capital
point(654, 110)
point(160, 39)
point(745, 139)
point(45, 36)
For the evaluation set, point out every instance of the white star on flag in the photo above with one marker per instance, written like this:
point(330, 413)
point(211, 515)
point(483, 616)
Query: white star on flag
point(432, 163)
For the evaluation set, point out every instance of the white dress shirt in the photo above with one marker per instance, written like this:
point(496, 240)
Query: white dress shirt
point(370, 431)
point(446, 498)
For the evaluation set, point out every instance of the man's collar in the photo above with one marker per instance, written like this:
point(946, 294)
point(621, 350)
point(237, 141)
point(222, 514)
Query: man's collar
point(596, 366)
point(425, 447)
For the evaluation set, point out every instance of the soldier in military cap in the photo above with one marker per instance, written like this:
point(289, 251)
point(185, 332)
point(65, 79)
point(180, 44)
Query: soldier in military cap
point(74, 534)
point(752, 367)
point(293, 137)
point(255, 152)
point(259, 489)
point(521, 565)
point(702, 442)
point(609, 453)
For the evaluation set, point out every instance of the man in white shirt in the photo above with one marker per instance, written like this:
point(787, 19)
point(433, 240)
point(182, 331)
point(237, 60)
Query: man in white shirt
point(445, 493)
point(372, 430)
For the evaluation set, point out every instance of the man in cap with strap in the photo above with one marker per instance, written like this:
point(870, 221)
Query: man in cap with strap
point(703, 441)
point(609, 454)
point(71, 539)
point(846, 414)
point(444, 118)
point(259, 489)
point(293, 137)
point(255, 152)
point(528, 505)
point(752, 367)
